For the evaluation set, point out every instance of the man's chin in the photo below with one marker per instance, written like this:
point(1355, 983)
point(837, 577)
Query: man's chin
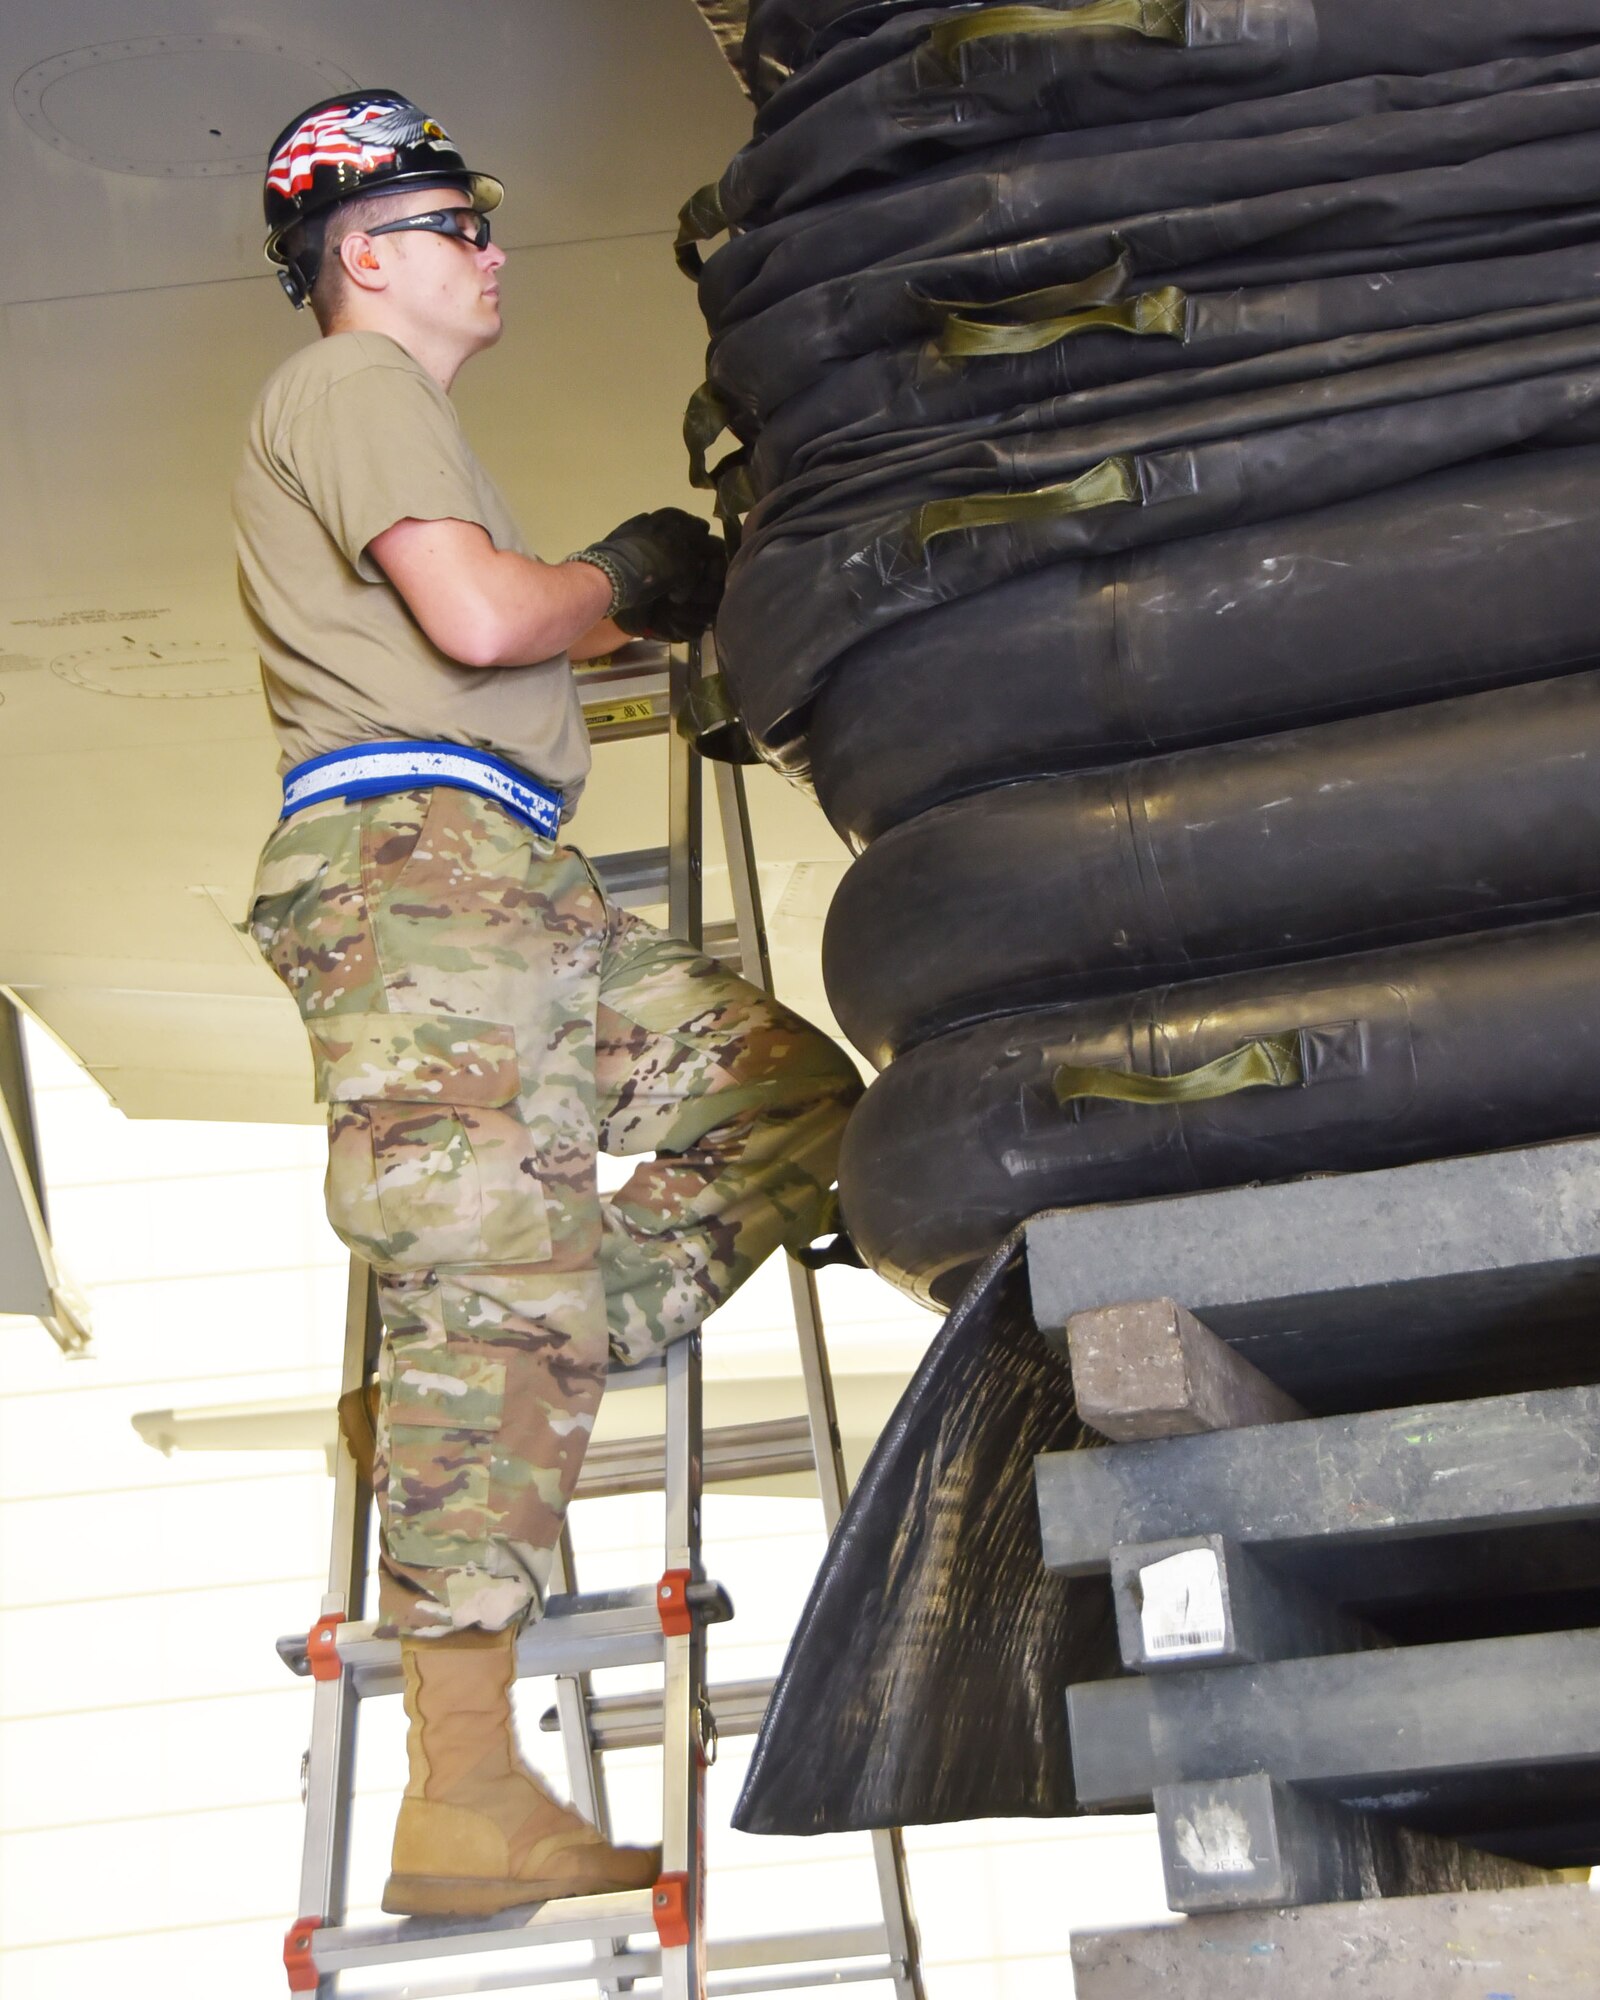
point(486, 333)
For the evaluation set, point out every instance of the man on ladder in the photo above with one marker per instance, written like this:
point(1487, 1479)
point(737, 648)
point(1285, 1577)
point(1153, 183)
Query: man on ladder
point(481, 1021)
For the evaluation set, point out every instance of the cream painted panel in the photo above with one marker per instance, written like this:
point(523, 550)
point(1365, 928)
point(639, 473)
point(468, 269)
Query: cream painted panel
point(191, 1056)
point(156, 1341)
point(208, 1646)
point(600, 116)
point(148, 1878)
point(161, 1229)
point(242, 1960)
point(93, 1142)
point(186, 1535)
point(198, 1752)
point(107, 1454)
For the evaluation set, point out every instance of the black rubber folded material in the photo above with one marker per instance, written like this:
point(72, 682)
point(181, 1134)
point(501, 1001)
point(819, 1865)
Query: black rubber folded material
point(904, 98)
point(1169, 441)
point(759, 362)
point(924, 1680)
point(1243, 397)
point(1220, 343)
point(1049, 499)
point(783, 36)
point(1060, 181)
point(1417, 1052)
point(1480, 576)
point(1442, 818)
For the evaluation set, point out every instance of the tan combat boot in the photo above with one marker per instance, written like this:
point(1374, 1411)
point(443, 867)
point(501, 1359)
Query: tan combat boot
point(477, 1831)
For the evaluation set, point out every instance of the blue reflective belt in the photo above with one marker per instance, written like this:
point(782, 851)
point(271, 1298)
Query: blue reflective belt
point(380, 768)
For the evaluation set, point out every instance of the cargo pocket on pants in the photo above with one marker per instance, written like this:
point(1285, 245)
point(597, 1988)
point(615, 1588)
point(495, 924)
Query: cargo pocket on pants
point(429, 1161)
point(444, 1408)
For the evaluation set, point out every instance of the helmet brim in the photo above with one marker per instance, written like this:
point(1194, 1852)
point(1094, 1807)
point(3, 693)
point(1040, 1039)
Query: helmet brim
point(482, 190)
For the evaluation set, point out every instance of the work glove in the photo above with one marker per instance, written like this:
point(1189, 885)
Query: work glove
point(687, 609)
point(666, 570)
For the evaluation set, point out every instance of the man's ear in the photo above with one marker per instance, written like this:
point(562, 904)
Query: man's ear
point(363, 266)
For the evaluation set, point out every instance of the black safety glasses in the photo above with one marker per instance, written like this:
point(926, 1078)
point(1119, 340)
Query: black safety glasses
point(465, 223)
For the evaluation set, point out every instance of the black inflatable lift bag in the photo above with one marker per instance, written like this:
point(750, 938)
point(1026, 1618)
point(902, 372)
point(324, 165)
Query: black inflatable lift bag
point(1413, 1053)
point(1055, 442)
point(757, 363)
point(944, 207)
point(1049, 442)
point(824, 592)
point(924, 1681)
point(1195, 344)
point(1236, 344)
point(879, 108)
point(783, 36)
point(1480, 576)
point(1065, 180)
point(1423, 822)
point(1475, 579)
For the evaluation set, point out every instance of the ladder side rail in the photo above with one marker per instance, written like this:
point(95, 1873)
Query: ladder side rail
point(733, 810)
point(685, 832)
point(330, 1758)
point(585, 1773)
point(685, 1751)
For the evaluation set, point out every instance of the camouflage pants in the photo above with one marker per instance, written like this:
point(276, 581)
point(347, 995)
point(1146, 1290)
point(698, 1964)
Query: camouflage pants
point(481, 1022)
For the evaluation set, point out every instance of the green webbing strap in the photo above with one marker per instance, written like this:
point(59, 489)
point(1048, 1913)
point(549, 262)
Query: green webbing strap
point(1155, 20)
point(700, 218)
point(1113, 482)
point(703, 423)
point(735, 495)
point(709, 720)
point(1161, 312)
point(1273, 1063)
point(1100, 288)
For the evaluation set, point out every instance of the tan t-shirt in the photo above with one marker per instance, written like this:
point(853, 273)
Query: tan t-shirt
point(350, 436)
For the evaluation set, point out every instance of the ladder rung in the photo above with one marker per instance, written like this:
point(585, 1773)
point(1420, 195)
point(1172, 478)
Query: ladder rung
point(627, 1721)
point(641, 1971)
point(629, 696)
point(721, 942)
point(650, 1374)
point(636, 877)
point(601, 1917)
point(572, 1918)
point(610, 1628)
point(736, 1451)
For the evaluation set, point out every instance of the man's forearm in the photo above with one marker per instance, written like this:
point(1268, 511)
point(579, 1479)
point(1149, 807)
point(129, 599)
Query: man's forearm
point(529, 610)
point(489, 607)
point(599, 641)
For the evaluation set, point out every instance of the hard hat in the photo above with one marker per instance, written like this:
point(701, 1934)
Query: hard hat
point(363, 142)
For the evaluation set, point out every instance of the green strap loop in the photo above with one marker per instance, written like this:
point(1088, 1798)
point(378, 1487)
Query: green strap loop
point(1154, 20)
point(699, 219)
point(1100, 288)
point(704, 421)
point(731, 483)
point(1273, 1063)
point(709, 721)
point(1163, 312)
point(1113, 482)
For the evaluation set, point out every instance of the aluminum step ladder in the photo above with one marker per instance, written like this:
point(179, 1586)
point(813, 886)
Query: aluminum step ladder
point(653, 1941)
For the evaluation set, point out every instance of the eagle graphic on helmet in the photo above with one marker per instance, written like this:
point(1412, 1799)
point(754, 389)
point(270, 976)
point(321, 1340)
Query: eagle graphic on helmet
point(363, 142)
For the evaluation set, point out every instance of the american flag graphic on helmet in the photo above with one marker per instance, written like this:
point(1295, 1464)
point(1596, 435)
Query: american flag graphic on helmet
point(365, 138)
